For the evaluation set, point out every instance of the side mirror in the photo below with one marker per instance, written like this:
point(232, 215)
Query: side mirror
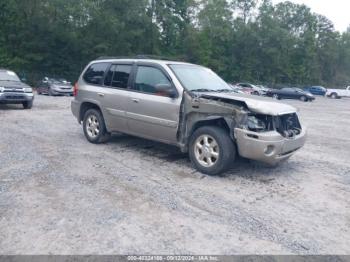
point(166, 90)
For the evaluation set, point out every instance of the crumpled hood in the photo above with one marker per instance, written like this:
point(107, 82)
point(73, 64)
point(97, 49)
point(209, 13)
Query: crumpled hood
point(13, 84)
point(257, 104)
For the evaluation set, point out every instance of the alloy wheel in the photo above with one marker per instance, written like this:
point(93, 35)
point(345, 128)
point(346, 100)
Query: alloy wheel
point(92, 126)
point(206, 150)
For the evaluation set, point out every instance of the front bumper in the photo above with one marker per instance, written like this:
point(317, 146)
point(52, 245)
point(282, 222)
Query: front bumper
point(269, 147)
point(62, 91)
point(15, 98)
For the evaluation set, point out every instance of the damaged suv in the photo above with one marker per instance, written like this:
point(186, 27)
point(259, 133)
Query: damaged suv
point(185, 105)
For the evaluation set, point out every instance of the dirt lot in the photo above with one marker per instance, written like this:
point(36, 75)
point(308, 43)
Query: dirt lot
point(61, 195)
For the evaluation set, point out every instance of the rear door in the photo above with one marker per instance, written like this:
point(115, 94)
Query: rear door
point(107, 85)
point(152, 115)
point(114, 100)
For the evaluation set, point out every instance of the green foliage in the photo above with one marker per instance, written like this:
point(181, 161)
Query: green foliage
point(243, 40)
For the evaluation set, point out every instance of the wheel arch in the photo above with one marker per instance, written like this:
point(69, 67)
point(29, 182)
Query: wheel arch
point(198, 122)
point(85, 106)
point(218, 121)
point(334, 93)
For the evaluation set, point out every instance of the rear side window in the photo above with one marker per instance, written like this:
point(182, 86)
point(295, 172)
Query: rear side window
point(118, 76)
point(95, 73)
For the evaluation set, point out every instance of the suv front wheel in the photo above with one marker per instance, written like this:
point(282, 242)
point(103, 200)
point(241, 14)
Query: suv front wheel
point(211, 150)
point(94, 127)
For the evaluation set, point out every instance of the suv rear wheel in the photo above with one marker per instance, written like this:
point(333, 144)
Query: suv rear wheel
point(211, 150)
point(94, 127)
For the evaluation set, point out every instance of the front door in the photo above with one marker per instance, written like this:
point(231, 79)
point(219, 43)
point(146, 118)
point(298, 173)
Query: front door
point(150, 114)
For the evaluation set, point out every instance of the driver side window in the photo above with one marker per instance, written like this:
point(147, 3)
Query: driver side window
point(147, 78)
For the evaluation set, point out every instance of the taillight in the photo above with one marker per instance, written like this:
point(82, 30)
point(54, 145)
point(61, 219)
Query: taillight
point(75, 91)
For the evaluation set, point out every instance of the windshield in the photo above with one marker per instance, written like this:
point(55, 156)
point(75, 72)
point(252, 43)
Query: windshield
point(198, 78)
point(8, 76)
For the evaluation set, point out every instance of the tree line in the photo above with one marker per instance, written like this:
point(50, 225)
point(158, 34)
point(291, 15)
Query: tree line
point(242, 40)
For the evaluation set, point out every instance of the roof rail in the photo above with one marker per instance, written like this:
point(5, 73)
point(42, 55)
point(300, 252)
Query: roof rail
point(155, 57)
point(113, 57)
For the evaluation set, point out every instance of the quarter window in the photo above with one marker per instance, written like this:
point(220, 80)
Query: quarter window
point(147, 78)
point(95, 73)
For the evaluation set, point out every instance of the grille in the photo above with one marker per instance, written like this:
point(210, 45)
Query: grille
point(14, 90)
point(14, 97)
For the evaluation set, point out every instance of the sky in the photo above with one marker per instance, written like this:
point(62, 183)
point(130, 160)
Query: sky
point(338, 11)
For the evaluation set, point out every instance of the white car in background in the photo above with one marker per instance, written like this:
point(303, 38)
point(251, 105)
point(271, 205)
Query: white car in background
point(257, 90)
point(338, 93)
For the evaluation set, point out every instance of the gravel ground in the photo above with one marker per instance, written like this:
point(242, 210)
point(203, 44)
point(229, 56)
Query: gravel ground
point(61, 195)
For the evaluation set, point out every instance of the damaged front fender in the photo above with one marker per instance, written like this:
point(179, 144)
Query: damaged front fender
point(197, 111)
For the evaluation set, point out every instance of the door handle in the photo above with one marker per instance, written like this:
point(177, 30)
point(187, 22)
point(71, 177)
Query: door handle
point(135, 100)
point(101, 94)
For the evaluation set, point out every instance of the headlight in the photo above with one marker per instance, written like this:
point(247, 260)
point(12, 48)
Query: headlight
point(28, 90)
point(2, 89)
point(255, 124)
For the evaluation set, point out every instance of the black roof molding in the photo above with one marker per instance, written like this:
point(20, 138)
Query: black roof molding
point(153, 57)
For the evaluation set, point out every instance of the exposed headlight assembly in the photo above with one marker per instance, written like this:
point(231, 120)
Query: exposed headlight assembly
point(255, 124)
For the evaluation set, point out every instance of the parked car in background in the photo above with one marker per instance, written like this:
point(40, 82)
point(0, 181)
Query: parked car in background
point(253, 89)
point(52, 87)
point(185, 105)
point(14, 91)
point(263, 89)
point(290, 93)
point(316, 90)
point(236, 89)
point(338, 93)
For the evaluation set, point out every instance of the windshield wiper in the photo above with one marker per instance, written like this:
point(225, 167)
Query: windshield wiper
point(225, 90)
point(202, 90)
point(213, 90)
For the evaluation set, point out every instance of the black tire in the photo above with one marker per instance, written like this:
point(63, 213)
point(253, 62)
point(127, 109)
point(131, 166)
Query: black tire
point(334, 96)
point(226, 150)
point(102, 135)
point(275, 96)
point(303, 98)
point(256, 93)
point(28, 104)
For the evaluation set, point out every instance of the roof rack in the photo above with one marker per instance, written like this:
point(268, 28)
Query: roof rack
point(155, 57)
